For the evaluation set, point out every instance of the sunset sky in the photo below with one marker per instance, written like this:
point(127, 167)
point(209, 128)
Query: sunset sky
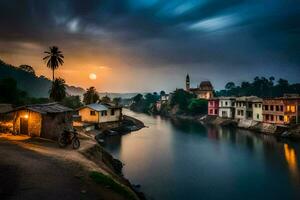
point(150, 45)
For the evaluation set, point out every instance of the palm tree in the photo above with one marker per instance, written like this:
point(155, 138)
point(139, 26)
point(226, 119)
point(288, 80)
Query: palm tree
point(90, 96)
point(54, 59)
point(58, 90)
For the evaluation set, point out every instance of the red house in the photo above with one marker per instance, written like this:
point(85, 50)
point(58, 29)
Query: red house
point(213, 107)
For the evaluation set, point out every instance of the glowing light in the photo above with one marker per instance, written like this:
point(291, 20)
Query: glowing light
point(93, 76)
point(26, 116)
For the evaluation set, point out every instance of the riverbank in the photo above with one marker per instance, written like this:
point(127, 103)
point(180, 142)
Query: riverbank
point(260, 127)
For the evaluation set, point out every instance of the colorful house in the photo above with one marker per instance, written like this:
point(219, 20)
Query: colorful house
point(244, 108)
point(213, 107)
point(257, 110)
point(100, 113)
point(281, 111)
point(226, 107)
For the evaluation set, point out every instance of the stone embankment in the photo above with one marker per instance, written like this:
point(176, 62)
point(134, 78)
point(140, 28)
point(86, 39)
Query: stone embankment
point(266, 128)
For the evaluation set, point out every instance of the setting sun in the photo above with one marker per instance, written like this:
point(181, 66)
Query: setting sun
point(93, 76)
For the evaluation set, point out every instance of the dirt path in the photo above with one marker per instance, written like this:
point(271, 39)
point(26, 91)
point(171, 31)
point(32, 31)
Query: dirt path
point(29, 171)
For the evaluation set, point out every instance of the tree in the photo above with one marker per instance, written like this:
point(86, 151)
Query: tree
point(137, 98)
point(90, 96)
point(72, 102)
point(181, 98)
point(117, 100)
point(27, 68)
point(229, 86)
point(10, 92)
point(105, 99)
point(197, 106)
point(162, 93)
point(58, 90)
point(54, 59)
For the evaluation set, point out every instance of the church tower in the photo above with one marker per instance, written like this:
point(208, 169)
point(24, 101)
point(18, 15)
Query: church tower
point(187, 82)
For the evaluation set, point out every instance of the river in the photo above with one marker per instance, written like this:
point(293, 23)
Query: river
point(185, 160)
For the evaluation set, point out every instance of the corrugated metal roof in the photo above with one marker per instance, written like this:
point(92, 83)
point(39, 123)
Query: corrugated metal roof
point(45, 108)
point(97, 107)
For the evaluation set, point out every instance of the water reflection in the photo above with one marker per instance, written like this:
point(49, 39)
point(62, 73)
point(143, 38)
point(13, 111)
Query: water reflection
point(291, 158)
point(174, 159)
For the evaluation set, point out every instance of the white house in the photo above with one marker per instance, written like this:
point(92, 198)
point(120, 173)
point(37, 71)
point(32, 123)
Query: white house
point(226, 107)
point(244, 107)
point(257, 109)
point(100, 113)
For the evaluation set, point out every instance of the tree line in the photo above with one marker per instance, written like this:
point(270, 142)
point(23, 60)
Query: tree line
point(261, 87)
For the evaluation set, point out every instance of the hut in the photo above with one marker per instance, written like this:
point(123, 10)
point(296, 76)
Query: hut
point(42, 120)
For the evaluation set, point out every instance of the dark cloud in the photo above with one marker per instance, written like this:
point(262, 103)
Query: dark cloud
point(232, 34)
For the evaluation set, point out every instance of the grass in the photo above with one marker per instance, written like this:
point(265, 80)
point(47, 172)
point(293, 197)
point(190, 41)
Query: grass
point(107, 181)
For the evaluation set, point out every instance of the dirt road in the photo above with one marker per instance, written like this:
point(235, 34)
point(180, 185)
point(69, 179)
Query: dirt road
point(27, 174)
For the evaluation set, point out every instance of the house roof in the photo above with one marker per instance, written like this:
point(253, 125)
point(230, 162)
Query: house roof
point(45, 108)
point(97, 107)
point(249, 98)
point(5, 108)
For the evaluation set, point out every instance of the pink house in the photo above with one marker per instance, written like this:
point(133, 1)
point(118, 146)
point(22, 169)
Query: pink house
point(213, 107)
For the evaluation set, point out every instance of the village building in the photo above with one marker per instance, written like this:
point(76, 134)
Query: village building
point(164, 99)
point(103, 115)
point(213, 107)
point(257, 109)
point(41, 120)
point(203, 91)
point(227, 107)
point(281, 110)
point(244, 107)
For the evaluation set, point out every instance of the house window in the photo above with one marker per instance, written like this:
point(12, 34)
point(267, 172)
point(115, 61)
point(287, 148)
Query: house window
point(103, 113)
point(272, 107)
point(259, 105)
point(210, 111)
point(286, 118)
point(257, 116)
point(92, 112)
point(226, 103)
point(281, 118)
point(232, 104)
point(216, 111)
point(250, 105)
point(255, 105)
point(272, 117)
point(242, 112)
point(112, 112)
point(277, 108)
point(281, 108)
point(267, 117)
point(266, 107)
point(293, 109)
point(288, 108)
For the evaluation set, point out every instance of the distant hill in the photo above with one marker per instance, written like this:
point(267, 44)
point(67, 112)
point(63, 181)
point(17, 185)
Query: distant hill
point(35, 86)
point(114, 95)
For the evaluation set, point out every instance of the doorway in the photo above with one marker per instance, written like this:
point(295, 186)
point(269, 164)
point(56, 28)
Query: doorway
point(24, 125)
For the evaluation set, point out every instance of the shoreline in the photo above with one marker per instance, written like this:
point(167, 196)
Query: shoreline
point(115, 166)
point(291, 132)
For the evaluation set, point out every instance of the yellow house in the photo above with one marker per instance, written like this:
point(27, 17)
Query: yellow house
point(100, 113)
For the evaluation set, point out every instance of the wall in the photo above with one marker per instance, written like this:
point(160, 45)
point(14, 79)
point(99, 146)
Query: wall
point(87, 117)
point(54, 124)
point(34, 122)
point(257, 111)
point(109, 117)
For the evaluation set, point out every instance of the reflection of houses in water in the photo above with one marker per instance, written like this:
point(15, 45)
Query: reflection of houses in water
point(291, 159)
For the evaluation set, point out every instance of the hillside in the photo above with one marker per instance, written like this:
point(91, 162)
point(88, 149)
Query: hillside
point(35, 86)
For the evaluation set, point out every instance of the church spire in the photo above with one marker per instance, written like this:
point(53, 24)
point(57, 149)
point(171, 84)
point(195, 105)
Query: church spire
point(187, 82)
